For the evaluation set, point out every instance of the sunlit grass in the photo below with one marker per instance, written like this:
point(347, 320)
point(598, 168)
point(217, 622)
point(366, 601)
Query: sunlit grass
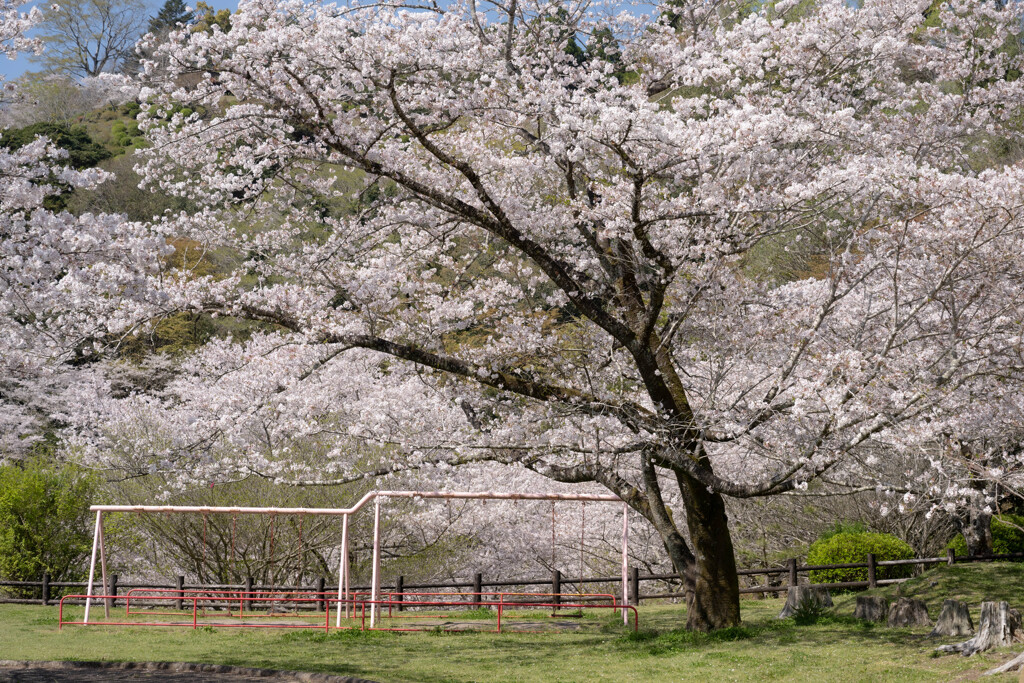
point(763, 648)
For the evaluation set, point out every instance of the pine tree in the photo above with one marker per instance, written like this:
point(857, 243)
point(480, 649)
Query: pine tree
point(173, 12)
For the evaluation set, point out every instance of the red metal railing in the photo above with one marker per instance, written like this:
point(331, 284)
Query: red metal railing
point(200, 603)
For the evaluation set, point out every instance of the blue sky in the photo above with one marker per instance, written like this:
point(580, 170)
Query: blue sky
point(11, 69)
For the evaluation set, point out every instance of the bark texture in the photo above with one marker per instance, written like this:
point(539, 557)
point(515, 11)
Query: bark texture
point(1012, 665)
point(954, 620)
point(660, 516)
point(871, 608)
point(978, 533)
point(999, 626)
point(716, 586)
point(908, 612)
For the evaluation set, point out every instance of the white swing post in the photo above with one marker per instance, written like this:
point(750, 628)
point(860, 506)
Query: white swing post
point(103, 571)
point(343, 572)
point(375, 572)
point(345, 597)
point(486, 495)
point(92, 563)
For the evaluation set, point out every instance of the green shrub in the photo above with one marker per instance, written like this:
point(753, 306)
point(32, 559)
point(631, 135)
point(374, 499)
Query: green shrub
point(82, 151)
point(44, 521)
point(846, 548)
point(1006, 538)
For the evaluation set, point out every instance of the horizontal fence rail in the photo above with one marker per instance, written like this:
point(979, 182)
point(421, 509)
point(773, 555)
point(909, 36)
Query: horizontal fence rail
point(198, 608)
point(787, 575)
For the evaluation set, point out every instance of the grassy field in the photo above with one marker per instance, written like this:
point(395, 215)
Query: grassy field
point(836, 648)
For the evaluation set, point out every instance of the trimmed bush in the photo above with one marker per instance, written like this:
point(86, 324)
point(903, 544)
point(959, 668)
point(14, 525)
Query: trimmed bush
point(1006, 538)
point(849, 547)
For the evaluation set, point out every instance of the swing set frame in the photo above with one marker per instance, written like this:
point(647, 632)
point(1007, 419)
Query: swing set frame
point(344, 585)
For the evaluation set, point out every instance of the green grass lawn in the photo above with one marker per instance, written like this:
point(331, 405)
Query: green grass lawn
point(764, 649)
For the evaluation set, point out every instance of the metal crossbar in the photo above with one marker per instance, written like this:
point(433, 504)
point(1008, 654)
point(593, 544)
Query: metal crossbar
point(343, 569)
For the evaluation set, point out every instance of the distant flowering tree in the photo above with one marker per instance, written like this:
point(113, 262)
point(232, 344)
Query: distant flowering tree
point(551, 268)
point(66, 282)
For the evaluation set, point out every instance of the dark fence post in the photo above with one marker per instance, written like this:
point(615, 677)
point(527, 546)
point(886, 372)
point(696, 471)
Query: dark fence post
point(248, 590)
point(950, 556)
point(179, 585)
point(634, 585)
point(478, 580)
point(399, 590)
point(113, 590)
point(46, 588)
point(556, 586)
point(793, 579)
point(872, 572)
point(320, 583)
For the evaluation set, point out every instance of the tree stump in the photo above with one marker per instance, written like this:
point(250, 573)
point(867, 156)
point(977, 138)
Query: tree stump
point(908, 612)
point(871, 608)
point(954, 620)
point(805, 595)
point(999, 626)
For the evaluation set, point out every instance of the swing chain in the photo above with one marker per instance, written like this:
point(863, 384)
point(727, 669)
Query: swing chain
point(583, 530)
point(552, 535)
point(273, 524)
point(302, 553)
point(203, 566)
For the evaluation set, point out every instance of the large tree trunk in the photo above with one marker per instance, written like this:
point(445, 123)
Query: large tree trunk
point(661, 517)
point(715, 598)
point(716, 588)
point(978, 532)
point(710, 582)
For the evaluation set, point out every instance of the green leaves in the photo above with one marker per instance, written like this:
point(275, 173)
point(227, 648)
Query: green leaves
point(44, 521)
point(848, 547)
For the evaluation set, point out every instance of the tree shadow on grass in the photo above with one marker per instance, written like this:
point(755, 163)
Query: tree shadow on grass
point(826, 630)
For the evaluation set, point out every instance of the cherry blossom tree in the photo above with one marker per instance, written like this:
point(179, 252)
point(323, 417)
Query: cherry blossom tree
point(548, 267)
point(65, 281)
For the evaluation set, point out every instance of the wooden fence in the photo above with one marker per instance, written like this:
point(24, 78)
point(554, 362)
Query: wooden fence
point(777, 580)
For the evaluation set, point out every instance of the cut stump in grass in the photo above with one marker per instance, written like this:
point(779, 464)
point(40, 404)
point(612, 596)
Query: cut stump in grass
point(796, 596)
point(908, 612)
point(871, 608)
point(999, 626)
point(954, 620)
